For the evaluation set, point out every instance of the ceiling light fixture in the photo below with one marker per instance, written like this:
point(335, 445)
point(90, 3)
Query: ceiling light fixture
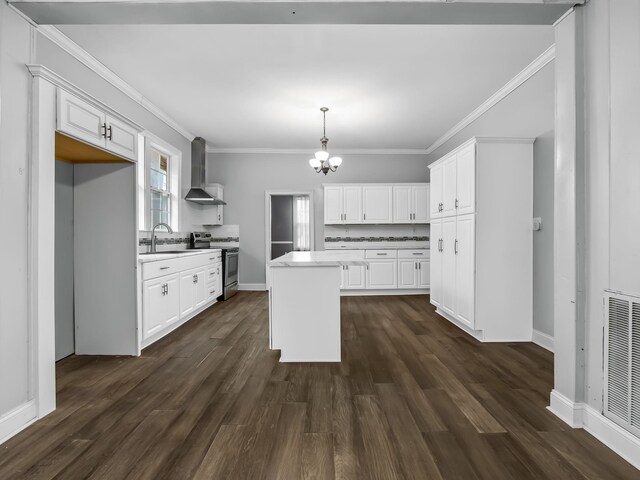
point(321, 161)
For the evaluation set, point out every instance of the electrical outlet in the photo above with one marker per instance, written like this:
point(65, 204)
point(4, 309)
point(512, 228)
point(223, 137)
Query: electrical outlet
point(537, 224)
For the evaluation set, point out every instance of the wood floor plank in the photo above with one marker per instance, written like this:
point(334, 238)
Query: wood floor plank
point(414, 397)
point(317, 456)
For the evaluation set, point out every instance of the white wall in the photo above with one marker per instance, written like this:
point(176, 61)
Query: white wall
point(65, 324)
point(14, 138)
point(528, 112)
point(246, 177)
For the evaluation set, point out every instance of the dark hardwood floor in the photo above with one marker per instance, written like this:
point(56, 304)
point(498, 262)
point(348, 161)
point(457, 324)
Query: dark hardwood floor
point(413, 398)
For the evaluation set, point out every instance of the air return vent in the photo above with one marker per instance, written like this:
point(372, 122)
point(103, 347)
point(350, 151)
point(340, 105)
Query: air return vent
point(622, 360)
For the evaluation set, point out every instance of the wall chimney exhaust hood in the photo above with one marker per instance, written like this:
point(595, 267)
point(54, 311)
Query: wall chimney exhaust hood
point(197, 194)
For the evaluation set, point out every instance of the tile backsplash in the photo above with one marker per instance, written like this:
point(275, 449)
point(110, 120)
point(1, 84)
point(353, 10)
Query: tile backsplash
point(376, 233)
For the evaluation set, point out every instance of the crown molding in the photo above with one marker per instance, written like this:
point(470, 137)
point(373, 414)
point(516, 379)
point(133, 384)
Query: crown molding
point(309, 151)
point(529, 71)
point(84, 57)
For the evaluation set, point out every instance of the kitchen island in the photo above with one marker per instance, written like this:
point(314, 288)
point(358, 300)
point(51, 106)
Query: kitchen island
point(304, 304)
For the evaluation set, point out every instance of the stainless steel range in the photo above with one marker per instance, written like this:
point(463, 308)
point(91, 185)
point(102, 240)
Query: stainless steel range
point(229, 263)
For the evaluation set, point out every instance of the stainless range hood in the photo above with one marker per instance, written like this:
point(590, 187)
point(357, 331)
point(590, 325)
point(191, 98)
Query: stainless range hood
point(197, 194)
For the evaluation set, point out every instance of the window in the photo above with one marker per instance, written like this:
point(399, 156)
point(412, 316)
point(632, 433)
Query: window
point(159, 191)
point(158, 184)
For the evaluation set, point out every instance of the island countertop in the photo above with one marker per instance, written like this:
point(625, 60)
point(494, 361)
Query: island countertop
point(320, 258)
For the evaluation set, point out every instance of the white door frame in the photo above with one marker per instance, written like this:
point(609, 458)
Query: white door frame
point(267, 223)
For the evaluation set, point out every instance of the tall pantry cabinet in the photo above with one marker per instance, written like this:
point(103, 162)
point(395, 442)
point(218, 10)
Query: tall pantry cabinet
point(481, 210)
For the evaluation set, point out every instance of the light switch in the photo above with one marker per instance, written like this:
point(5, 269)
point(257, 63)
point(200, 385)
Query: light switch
point(537, 224)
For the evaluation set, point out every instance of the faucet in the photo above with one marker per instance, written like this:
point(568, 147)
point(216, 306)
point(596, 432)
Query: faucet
point(153, 234)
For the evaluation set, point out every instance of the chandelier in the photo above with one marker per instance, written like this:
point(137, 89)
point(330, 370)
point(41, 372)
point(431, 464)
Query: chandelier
point(321, 161)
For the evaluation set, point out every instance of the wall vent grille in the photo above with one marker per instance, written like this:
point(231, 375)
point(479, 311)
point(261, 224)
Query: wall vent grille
point(622, 360)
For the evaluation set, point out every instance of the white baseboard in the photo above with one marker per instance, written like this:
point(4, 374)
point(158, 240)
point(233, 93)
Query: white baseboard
point(390, 291)
point(581, 415)
point(17, 420)
point(543, 340)
point(252, 287)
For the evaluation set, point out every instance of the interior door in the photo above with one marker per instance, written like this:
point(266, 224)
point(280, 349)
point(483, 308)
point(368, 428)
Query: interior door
point(436, 262)
point(352, 206)
point(448, 264)
point(449, 187)
point(407, 273)
point(465, 269)
point(402, 200)
point(436, 192)
point(377, 204)
point(332, 204)
point(466, 180)
point(420, 201)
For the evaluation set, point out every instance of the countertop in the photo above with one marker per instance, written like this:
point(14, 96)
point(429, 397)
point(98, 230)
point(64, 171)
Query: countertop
point(154, 257)
point(319, 258)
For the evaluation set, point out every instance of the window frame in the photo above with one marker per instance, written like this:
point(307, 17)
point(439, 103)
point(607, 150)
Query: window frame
point(174, 158)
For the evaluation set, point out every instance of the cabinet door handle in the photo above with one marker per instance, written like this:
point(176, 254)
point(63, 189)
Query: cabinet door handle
point(456, 203)
point(164, 268)
point(455, 247)
point(415, 265)
point(419, 266)
point(110, 130)
point(104, 130)
point(441, 245)
point(218, 217)
point(383, 254)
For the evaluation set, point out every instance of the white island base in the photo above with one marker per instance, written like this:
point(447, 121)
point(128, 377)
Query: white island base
point(304, 305)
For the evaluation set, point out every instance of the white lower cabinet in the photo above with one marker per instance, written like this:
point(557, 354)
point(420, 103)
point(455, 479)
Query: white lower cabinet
point(353, 277)
point(174, 290)
point(382, 274)
point(407, 274)
point(161, 304)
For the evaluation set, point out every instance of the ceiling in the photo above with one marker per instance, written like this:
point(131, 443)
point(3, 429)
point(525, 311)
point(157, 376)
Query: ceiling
point(261, 86)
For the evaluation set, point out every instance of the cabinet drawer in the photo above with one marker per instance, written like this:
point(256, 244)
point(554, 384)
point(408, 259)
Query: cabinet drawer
point(381, 254)
point(417, 253)
point(159, 268)
point(213, 273)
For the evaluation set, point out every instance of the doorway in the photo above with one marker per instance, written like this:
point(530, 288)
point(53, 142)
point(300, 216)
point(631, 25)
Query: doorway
point(289, 224)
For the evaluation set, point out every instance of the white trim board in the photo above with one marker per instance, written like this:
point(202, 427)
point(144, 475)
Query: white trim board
point(581, 415)
point(542, 339)
point(17, 420)
point(529, 71)
point(252, 287)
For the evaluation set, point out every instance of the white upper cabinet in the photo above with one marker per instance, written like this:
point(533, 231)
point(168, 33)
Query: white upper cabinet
point(81, 119)
point(377, 203)
point(402, 203)
point(342, 204)
point(333, 204)
point(352, 206)
point(122, 138)
point(465, 201)
point(435, 201)
point(453, 183)
point(411, 204)
point(420, 196)
point(93, 124)
point(449, 170)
